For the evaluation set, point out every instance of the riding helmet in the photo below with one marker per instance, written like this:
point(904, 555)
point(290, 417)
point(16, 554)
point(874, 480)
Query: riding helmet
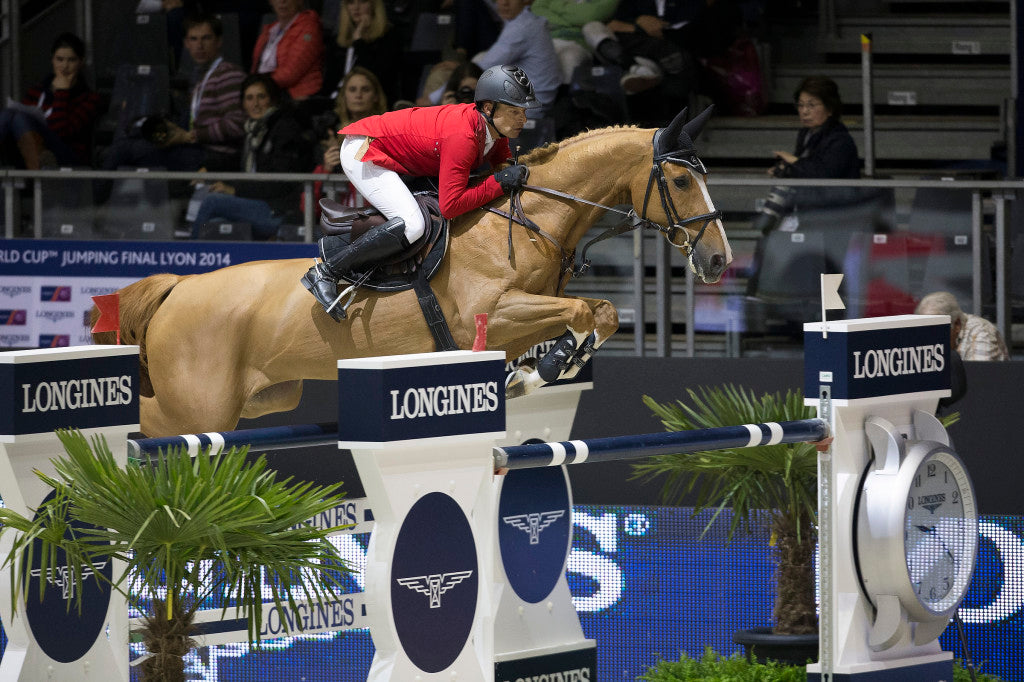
point(507, 84)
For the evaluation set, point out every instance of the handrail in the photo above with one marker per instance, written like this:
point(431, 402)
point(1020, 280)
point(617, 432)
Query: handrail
point(997, 191)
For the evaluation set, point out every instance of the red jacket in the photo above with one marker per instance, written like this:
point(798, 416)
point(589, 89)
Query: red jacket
point(445, 141)
point(300, 55)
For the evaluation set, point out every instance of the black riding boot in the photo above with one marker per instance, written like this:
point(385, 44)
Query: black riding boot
point(338, 258)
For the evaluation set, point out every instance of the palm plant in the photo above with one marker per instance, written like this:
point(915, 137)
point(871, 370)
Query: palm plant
point(779, 478)
point(186, 527)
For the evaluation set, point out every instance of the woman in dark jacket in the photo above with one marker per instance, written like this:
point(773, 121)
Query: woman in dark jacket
point(274, 142)
point(55, 123)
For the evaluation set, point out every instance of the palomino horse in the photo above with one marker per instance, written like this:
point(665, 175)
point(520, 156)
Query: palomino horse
point(237, 342)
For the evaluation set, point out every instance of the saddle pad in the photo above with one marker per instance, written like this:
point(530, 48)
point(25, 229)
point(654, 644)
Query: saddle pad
point(426, 254)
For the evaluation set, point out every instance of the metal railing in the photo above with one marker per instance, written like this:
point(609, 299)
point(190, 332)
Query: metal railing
point(989, 218)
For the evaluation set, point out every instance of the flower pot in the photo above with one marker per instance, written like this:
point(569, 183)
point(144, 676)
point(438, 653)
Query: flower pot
point(761, 644)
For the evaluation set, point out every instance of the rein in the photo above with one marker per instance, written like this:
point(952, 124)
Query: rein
point(630, 222)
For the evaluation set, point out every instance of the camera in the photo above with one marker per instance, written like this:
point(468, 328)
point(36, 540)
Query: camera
point(778, 203)
point(465, 95)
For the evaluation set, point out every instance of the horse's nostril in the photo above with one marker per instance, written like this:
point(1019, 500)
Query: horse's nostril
point(718, 263)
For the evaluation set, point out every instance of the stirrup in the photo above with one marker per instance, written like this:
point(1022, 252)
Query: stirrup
point(342, 312)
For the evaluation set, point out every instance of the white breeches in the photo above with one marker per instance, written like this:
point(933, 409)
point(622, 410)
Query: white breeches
point(382, 187)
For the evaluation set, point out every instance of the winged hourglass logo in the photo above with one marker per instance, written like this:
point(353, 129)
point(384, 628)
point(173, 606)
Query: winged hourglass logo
point(434, 585)
point(534, 523)
point(58, 577)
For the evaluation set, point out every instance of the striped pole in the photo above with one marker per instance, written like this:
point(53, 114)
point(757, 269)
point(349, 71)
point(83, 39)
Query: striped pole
point(258, 440)
point(651, 444)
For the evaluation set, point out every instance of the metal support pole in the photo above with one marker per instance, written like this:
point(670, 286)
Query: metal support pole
point(9, 208)
point(691, 313)
point(307, 188)
point(868, 105)
point(663, 293)
point(14, 47)
point(639, 307)
point(976, 264)
point(37, 208)
point(1003, 317)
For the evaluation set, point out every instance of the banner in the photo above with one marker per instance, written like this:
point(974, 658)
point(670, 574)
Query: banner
point(46, 286)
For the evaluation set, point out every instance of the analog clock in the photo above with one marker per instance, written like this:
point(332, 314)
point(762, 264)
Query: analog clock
point(916, 531)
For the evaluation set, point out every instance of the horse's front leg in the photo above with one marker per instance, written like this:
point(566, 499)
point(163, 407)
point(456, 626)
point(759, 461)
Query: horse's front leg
point(521, 320)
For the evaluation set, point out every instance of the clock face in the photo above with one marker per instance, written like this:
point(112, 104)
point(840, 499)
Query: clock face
point(936, 532)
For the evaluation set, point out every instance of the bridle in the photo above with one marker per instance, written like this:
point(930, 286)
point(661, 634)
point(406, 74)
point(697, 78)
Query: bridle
point(631, 221)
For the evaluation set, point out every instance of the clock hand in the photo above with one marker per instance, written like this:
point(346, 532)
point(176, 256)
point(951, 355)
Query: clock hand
point(924, 529)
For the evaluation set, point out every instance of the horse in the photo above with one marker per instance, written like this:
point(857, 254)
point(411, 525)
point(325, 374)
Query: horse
point(239, 341)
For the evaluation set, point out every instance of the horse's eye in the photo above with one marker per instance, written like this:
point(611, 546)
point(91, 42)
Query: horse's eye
point(682, 182)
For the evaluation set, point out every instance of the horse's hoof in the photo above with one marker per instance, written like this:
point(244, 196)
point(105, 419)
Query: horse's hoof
point(515, 385)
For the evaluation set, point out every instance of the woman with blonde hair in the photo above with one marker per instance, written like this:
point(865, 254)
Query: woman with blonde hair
point(366, 38)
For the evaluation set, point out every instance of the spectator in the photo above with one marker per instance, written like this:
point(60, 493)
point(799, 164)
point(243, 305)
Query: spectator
point(54, 123)
point(526, 41)
point(566, 21)
point(361, 95)
point(274, 143)
point(291, 49)
point(461, 86)
point(215, 118)
point(366, 38)
point(974, 337)
point(824, 149)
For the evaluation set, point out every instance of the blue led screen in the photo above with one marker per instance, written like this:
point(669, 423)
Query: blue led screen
point(645, 585)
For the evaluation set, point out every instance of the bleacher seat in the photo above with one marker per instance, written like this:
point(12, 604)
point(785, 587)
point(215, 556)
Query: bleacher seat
point(120, 36)
point(68, 211)
point(536, 133)
point(788, 278)
point(219, 230)
point(139, 90)
point(596, 89)
point(140, 208)
point(944, 216)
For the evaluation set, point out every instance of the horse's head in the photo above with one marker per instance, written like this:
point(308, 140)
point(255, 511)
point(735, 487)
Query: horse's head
point(675, 197)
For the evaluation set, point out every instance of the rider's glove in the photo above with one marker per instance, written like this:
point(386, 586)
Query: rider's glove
point(512, 178)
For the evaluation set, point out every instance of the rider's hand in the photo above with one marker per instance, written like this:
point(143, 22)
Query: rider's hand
point(512, 178)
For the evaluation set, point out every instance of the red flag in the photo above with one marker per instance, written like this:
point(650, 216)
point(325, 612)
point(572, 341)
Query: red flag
point(480, 343)
point(110, 314)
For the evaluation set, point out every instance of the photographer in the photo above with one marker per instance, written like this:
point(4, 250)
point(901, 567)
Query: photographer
point(824, 149)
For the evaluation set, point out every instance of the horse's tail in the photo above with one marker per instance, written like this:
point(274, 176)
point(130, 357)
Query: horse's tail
point(138, 303)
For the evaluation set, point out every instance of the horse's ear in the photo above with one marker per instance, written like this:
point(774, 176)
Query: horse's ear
point(666, 138)
point(693, 128)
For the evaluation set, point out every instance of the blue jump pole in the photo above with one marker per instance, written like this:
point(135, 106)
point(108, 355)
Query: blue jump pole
point(648, 445)
point(258, 440)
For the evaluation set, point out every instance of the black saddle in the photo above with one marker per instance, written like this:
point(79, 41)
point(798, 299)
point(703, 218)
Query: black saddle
point(401, 271)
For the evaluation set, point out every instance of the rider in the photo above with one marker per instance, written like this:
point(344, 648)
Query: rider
point(447, 141)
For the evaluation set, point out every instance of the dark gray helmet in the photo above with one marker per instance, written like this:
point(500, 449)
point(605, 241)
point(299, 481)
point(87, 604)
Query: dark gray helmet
point(507, 84)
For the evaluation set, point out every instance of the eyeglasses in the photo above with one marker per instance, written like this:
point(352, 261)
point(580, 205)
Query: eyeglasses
point(809, 105)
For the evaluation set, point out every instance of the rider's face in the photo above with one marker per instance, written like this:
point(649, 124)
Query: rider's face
point(508, 120)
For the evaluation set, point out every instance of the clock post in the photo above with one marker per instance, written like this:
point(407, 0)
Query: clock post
point(878, 381)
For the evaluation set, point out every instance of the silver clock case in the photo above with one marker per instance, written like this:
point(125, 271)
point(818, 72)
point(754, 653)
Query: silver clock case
point(914, 569)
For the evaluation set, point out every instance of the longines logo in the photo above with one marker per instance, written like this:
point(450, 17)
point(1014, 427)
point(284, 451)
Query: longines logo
point(434, 585)
point(533, 524)
point(12, 290)
point(438, 401)
point(931, 502)
point(74, 394)
point(55, 315)
point(58, 577)
point(576, 675)
point(893, 362)
point(14, 339)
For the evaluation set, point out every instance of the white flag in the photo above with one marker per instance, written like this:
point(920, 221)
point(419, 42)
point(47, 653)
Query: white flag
point(830, 293)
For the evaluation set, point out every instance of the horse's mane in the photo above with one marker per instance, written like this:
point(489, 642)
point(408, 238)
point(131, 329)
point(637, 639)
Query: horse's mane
point(542, 154)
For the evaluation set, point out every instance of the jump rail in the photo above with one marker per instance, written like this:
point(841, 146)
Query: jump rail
point(534, 455)
point(519, 456)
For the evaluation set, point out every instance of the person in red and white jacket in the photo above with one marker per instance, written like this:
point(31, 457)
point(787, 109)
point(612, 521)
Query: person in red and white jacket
point(291, 49)
point(447, 141)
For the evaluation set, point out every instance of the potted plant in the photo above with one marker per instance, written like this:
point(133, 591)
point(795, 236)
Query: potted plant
point(188, 528)
point(780, 478)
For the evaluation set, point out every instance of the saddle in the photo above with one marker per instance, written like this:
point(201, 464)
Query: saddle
point(401, 271)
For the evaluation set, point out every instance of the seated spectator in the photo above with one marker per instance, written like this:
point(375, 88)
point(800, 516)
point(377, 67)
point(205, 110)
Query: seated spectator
point(291, 49)
point(275, 142)
point(526, 41)
point(566, 21)
point(824, 149)
point(213, 134)
point(361, 95)
point(461, 86)
point(973, 337)
point(54, 124)
point(365, 38)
